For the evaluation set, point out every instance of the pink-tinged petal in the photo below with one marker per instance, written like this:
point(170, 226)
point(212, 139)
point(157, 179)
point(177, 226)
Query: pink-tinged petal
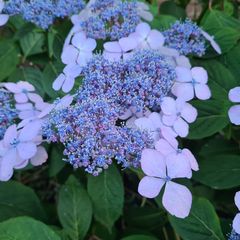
point(142, 6)
point(178, 166)
point(21, 97)
point(68, 84)
point(3, 149)
point(156, 120)
point(72, 70)
point(12, 87)
point(237, 200)
point(40, 157)
point(24, 106)
point(127, 114)
point(146, 16)
point(144, 124)
point(79, 39)
point(27, 114)
point(21, 164)
point(143, 29)
point(189, 113)
point(236, 223)
point(64, 102)
point(234, 95)
point(164, 147)
point(35, 98)
point(112, 56)
point(183, 90)
point(183, 74)
point(152, 163)
point(89, 45)
point(170, 135)
point(10, 157)
point(192, 160)
point(202, 91)
point(10, 135)
point(26, 86)
point(181, 127)
point(150, 187)
point(168, 105)
point(199, 74)
point(183, 61)
point(112, 47)
point(57, 84)
point(30, 131)
point(168, 51)
point(155, 39)
point(83, 58)
point(234, 114)
point(6, 171)
point(46, 111)
point(69, 55)
point(177, 200)
point(127, 44)
point(169, 120)
point(26, 150)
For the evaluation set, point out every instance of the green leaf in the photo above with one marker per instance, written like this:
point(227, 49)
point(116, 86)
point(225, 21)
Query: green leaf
point(163, 22)
point(25, 228)
point(219, 171)
point(201, 224)
point(171, 8)
point(218, 146)
point(8, 58)
point(214, 20)
point(107, 194)
point(56, 163)
point(212, 118)
point(74, 209)
point(139, 237)
point(32, 43)
point(19, 200)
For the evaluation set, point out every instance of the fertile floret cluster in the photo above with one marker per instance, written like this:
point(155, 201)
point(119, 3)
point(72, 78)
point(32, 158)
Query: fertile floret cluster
point(92, 138)
point(43, 13)
point(7, 111)
point(111, 19)
point(186, 37)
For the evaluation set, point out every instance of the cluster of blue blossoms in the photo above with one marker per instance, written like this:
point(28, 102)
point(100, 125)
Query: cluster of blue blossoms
point(111, 19)
point(186, 37)
point(90, 129)
point(43, 13)
point(7, 112)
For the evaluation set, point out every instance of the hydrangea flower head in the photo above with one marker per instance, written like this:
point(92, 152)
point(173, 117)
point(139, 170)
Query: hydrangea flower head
point(111, 19)
point(186, 37)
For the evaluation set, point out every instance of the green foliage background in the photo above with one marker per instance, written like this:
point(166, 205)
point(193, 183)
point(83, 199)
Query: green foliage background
point(54, 202)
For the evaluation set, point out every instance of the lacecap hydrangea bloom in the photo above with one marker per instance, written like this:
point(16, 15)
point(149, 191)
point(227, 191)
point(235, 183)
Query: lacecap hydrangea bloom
point(43, 13)
point(134, 95)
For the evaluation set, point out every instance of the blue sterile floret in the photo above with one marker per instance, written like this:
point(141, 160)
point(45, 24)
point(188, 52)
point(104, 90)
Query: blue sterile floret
point(43, 13)
point(186, 37)
point(7, 112)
